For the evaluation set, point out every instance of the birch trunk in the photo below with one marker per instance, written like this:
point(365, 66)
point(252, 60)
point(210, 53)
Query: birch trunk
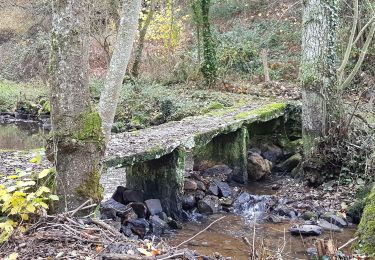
point(317, 72)
point(76, 127)
point(119, 62)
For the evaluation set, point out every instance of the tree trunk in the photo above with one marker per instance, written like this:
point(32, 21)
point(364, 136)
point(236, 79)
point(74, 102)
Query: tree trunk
point(317, 72)
point(141, 41)
point(209, 66)
point(119, 62)
point(76, 127)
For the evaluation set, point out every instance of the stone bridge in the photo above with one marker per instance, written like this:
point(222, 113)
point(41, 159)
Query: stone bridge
point(155, 159)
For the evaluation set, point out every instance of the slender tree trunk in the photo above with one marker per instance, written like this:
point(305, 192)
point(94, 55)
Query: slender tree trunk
point(141, 41)
point(266, 73)
point(318, 73)
point(119, 62)
point(76, 127)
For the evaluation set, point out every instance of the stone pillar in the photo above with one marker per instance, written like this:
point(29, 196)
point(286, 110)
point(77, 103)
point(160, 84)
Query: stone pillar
point(229, 149)
point(162, 179)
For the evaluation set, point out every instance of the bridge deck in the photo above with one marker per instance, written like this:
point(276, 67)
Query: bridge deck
point(152, 143)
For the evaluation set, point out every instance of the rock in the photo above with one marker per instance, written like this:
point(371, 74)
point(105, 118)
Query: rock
point(174, 224)
point(158, 225)
point(243, 198)
point(154, 206)
point(306, 230)
point(208, 205)
point(226, 202)
point(199, 194)
point(221, 171)
point(273, 219)
point(139, 208)
point(356, 210)
point(188, 201)
point(276, 187)
point(309, 215)
point(139, 226)
point(213, 189)
point(224, 189)
point(311, 251)
point(255, 150)
point(129, 215)
point(133, 196)
point(126, 230)
point(201, 185)
point(125, 196)
point(163, 216)
point(289, 164)
point(257, 166)
point(334, 219)
point(283, 211)
point(271, 152)
point(328, 226)
point(111, 209)
point(190, 184)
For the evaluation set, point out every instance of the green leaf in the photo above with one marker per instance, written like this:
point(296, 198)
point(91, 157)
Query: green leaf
point(42, 190)
point(44, 205)
point(30, 208)
point(53, 197)
point(12, 177)
point(37, 159)
point(44, 173)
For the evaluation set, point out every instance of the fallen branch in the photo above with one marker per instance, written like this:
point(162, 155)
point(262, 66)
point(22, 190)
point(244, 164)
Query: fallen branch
point(200, 232)
point(113, 231)
point(72, 212)
point(347, 243)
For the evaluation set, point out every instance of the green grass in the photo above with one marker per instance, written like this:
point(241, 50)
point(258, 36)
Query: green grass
point(11, 93)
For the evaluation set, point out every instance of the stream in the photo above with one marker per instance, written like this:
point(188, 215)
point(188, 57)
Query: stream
point(225, 236)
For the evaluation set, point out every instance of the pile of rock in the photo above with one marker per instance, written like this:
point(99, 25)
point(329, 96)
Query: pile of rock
point(208, 192)
point(270, 157)
point(135, 217)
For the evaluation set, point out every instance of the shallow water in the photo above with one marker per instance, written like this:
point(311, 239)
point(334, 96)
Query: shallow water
point(21, 136)
point(225, 237)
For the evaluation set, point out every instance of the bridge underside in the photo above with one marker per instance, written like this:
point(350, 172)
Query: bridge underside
point(162, 176)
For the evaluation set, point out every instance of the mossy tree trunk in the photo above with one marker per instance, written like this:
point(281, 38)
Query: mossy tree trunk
point(76, 127)
point(119, 62)
point(209, 66)
point(366, 229)
point(318, 75)
point(142, 28)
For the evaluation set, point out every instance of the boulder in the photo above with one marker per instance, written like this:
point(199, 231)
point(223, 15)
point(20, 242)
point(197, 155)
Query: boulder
point(139, 208)
point(273, 219)
point(306, 230)
point(188, 201)
point(328, 226)
point(208, 205)
point(129, 215)
point(190, 184)
point(154, 206)
point(289, 164)
point(133, 196)
point(271, 152)
point(221, 171)
point(163, 216)
point(227, 202)
point(243, 198)
point(111, 209)
point(224, 189)
point(213, 189)
point(158, 225)
point(199, 194)
point(309, 215)
point(257, 166)
point(334, 219)
point(125, 196)
point(201, 185)
point(139, 226)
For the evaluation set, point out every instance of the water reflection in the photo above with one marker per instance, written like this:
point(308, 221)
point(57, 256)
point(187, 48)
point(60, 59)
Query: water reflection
point(22, 136)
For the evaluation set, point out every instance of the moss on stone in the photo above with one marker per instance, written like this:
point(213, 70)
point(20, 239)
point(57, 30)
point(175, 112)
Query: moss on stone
point(264, 112)
point(91, 127)
point(366, 228)
point(91, 188)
